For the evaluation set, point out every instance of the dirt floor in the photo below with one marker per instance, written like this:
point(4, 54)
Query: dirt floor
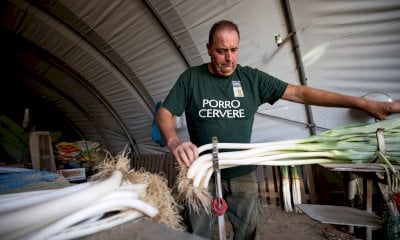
point(276, 225)
point(280, 225)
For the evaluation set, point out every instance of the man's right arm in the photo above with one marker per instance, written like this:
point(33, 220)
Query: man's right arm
point(184, 152)
point(319, 97)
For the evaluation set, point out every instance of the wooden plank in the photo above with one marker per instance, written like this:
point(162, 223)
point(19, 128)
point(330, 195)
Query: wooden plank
point(277, 176)
point(310, 184)
point(146, 164)
point(172, 172)
point(153, 164)
point(166, 169)
point(367, 192)
point(358, 167)
point(41, 150)
point(341, 215)
point(304, 196)
point(142, 162)
point(269, 185)
point(261, 185)
point(149, 163)
point(134, 163)
point(272, 185)
point(161, 163)
point(46, 154)
point(137, 164)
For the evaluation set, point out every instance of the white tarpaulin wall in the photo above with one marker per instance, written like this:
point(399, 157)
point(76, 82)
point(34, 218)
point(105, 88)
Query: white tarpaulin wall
point(105, 64)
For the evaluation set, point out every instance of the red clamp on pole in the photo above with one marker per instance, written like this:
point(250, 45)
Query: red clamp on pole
point(219, 206)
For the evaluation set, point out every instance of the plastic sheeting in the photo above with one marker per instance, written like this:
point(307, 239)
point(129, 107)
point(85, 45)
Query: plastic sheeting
point(22, 178)
point(105, 64)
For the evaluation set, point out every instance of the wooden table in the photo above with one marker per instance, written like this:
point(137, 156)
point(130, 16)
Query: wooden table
point(371, 173)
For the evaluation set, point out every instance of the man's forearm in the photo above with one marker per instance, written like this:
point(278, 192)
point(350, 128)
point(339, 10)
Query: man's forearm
point(167, 125)
point(319, 97)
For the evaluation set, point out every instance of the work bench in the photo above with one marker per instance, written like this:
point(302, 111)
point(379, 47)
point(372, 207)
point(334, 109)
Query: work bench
point(372, 174)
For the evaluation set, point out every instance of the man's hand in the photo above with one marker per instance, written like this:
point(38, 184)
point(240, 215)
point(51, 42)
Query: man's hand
point(382, 110)
point(184, 152)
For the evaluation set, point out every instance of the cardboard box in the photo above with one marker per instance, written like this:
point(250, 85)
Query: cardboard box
point(74, 174)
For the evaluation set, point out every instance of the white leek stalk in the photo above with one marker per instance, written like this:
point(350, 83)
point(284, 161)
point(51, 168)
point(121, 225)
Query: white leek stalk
point(81, 230)
point(14, 201)
point(296, 188)
point(115, 195)
point(101, 206)
point(21, 221)
point(287, 200)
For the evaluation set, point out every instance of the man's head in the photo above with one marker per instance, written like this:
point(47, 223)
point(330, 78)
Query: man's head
point(223, 48)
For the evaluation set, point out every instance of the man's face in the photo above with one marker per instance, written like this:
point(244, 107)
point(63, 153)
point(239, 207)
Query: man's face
point(224, 51)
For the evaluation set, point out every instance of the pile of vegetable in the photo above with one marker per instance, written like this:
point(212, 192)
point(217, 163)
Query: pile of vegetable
point(114, 196)
point(87, 153)
point(354, 143)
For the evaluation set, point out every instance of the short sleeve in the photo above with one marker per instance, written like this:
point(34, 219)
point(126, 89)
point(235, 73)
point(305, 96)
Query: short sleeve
point(177, 98)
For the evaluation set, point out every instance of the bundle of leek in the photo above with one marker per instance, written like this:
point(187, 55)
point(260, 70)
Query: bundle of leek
point(114, 195)
point(354, 143)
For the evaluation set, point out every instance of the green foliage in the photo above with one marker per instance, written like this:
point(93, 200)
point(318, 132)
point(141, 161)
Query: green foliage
point(55, 136)
point(13, 140)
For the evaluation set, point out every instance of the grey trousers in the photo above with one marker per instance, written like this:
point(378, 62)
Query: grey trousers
point(244, 210)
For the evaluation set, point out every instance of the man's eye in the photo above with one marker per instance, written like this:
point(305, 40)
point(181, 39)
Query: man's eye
point(221, 51)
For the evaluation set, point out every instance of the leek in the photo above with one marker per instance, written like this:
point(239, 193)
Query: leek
point(287, 200)
point(86, 208)
point(354, 143)
point(296, 188)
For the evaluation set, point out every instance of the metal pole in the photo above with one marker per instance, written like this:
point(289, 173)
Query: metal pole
point(218, 187)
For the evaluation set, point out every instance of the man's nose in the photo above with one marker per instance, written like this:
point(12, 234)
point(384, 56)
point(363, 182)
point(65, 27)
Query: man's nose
point(228, 55)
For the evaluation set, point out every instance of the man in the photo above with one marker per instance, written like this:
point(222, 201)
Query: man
point(220, 99)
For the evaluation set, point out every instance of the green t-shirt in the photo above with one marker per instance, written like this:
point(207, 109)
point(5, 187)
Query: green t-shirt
point(222, 107)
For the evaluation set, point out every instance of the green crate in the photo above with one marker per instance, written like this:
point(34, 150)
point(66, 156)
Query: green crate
point(392, 227)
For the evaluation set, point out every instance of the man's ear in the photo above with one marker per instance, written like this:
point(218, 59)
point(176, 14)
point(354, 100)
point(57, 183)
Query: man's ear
point(208, 49)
